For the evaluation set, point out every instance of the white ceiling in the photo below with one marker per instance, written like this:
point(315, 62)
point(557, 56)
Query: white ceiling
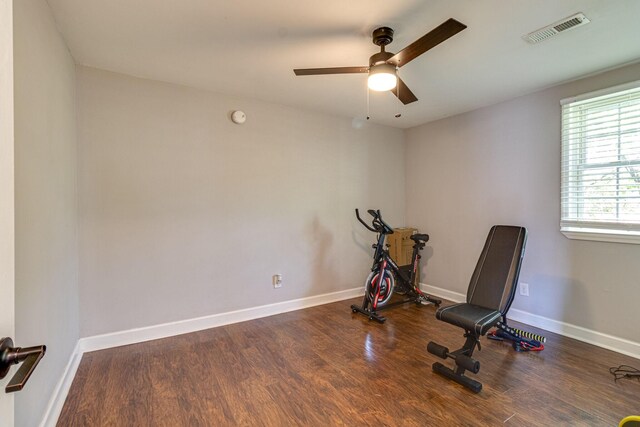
point(250, 47)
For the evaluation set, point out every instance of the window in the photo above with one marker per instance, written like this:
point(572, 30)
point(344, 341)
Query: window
point(601, 165)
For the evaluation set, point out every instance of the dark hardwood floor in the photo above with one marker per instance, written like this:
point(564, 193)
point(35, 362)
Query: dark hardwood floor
point(325, 366)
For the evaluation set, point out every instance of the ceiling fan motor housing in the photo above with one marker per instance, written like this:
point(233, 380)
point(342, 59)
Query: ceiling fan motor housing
point(382, 36)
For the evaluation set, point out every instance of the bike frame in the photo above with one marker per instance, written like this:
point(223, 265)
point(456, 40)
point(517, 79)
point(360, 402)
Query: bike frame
point(384, 265)
point(382, 260)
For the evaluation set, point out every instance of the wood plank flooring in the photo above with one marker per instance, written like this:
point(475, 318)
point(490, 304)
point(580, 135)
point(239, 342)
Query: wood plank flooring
point(325, 366)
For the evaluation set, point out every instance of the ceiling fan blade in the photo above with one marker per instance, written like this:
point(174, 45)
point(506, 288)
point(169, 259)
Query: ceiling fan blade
point(449, 28)
point(403, 93)
point(335, 70)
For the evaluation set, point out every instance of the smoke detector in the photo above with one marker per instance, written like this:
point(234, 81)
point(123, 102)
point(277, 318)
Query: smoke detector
point(565, 24)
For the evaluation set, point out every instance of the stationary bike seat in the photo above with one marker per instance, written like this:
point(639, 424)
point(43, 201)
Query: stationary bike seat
point(420, 237)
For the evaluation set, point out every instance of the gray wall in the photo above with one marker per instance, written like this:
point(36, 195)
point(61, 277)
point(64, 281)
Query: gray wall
point(185, 214)
point(501, 165)
point(46, 202)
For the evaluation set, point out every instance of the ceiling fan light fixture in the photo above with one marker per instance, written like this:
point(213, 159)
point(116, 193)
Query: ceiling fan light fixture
point(382, 77)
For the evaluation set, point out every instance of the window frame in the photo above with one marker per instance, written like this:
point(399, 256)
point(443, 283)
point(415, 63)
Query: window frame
point(620, 232)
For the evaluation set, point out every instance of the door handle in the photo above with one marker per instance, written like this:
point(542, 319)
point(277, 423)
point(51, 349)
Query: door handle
point(10, 355)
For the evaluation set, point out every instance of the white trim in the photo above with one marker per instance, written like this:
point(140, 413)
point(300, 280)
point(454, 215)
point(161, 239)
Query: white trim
point(601, 92)
point(610, 342)
point(132, 336)
point(148, 333)
point(599, 236)
point(7, 195)
point(54, 407)
point(443, 293)
point(137, 335)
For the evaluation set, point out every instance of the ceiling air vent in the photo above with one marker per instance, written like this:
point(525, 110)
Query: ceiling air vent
point(557, 27)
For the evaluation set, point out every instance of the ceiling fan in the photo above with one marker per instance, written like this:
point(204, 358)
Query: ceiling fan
point(383, 65)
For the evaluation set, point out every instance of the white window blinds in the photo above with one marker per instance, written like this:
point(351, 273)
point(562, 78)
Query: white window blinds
point(601, 161)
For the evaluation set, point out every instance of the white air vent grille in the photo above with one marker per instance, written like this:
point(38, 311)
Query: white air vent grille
point(557, 27)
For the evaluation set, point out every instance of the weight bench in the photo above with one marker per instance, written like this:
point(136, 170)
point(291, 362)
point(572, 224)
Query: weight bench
point(489, 297)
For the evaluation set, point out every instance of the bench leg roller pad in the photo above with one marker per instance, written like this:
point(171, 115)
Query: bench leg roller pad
point(437, 349)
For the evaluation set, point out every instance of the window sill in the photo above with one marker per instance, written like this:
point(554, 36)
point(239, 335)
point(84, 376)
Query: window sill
point(613, 236)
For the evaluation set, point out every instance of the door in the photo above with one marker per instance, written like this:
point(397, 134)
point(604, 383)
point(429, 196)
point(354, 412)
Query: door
point(7, 230)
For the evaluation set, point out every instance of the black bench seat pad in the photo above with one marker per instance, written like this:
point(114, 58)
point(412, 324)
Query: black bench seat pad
point(472, 318)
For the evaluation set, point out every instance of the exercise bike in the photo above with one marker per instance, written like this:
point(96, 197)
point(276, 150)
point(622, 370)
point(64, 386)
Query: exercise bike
point(381, 282)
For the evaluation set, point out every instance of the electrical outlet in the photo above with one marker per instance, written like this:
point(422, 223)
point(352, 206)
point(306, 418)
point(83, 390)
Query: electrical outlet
point(277, 280)
point(524, 289)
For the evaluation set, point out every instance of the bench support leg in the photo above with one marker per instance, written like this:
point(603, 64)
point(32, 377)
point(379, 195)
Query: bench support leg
point(463, 361)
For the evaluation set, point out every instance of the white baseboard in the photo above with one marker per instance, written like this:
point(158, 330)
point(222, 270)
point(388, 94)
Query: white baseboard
point(165, 330)
point(137, 335)
point(443, 293)
point(610, 342)
point(132, 336)
point(54, 407)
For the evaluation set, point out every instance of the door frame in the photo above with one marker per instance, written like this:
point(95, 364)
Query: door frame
point(7, 199)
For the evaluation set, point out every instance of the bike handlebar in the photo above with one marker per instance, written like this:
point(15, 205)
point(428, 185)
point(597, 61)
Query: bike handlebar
point(364, 223)
point(378, 225)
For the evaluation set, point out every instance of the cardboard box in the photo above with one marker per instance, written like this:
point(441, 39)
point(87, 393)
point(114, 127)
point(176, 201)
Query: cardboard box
point(401, 245)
